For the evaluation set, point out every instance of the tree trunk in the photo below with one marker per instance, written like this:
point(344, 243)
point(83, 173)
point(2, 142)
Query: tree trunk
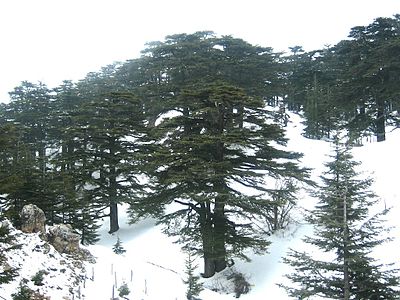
point(219, 220)
point(219, 234)
point(239, 119)
point(209, 267)
point(207, 241)
point(346, 279)
point(380, 121)
point(275, 226)
point(114, 226)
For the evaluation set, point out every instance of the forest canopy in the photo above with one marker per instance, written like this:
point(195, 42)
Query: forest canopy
point(186, 124)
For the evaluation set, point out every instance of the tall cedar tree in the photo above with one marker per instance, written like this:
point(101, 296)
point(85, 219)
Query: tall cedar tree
point(217, 140)
point(354, 84)
point(372, 73)
point(109, 124)
point(29, 114)
point(69, 163)
point(8, 142)
point(311, 81)
point(344, 229)
point(15, 163)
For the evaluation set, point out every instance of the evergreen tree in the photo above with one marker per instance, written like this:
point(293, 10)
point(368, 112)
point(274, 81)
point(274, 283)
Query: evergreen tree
point(194, 287)
point(8, 141)
point(311, 86)
point(63, 131)
point(124, 290)
point(110, 125)
point(296, 73)
point(319, 110)
point(345, 230)
point(118, 248)
point(23, 292)
point(369, 76)
point(28, 117)
point(71, 175)
point(218, 137)
point(352, 85)
point(6, 243)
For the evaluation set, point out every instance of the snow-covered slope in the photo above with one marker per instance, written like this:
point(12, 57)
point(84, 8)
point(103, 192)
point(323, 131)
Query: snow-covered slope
point(61, 274)
point(156, 264)
point(153, 266)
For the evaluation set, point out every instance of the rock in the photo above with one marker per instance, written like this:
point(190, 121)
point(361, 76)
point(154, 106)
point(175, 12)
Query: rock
point(33, 219)
point(63, 239)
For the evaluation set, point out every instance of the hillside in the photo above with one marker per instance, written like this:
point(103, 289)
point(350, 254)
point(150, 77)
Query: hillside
point(41, 268)
point(153, 265)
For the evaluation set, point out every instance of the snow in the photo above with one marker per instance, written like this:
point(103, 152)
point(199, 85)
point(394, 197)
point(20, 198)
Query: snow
point(36, 255)
point(153, 265)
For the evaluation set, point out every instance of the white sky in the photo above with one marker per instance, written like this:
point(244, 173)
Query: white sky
point(54, 40)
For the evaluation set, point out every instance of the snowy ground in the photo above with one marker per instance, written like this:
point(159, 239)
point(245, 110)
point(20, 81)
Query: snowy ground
point(153, 266)
point(62, 274)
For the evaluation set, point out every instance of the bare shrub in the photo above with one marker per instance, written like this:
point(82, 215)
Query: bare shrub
point(241, 285)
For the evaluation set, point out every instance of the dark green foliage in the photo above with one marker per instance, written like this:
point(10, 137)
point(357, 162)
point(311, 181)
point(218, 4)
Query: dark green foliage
point(189, 119)
point(370, 72)
point(8, 274)
point(352, 85)
point(109, 147)
point(38, 278)
point(194, 286)
point(29, 177)
point(311, 87)
point(118, 248)
point(28, 113)
point(71, 176)
point(296, 69)
point(124, 290)
point(218, 138)
point(23, 293)
point(71, 151)
point(346, 231)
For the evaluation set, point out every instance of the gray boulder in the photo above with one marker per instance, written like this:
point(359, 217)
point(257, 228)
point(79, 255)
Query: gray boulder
point(33, 219)
point(63, 239)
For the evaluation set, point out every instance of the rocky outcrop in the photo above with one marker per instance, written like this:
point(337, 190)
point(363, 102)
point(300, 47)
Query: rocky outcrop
point(63, 239)
point(30, 255)
point(60, 236)
point(33, 219)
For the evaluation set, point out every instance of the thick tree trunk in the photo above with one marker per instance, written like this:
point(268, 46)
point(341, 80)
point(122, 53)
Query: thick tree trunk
point(209, 267)
point(113, 191)
point(114, 226)
point(207, 241)
point(219, 234)
point(219, 220)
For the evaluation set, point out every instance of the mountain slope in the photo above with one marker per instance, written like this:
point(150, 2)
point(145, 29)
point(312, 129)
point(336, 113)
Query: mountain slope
point(153, 265)
point(61, 273)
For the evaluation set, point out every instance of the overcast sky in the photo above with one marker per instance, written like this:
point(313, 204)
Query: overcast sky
point(54, 40)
